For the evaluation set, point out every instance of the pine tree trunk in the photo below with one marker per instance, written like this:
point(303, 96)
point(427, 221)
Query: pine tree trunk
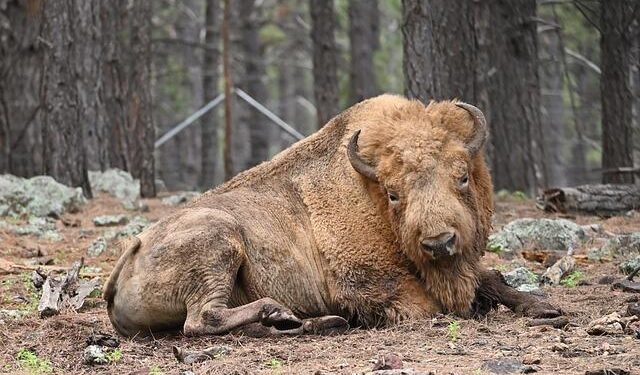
point(364, 36)
point(63, 135)
point(253, 82)
point(210, 91)
point(518, 160)
point(617, 99)
point(140, 124)
point(490, 61)
point(325, 59)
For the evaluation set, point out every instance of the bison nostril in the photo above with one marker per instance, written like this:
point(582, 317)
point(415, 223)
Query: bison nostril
point(443, 244)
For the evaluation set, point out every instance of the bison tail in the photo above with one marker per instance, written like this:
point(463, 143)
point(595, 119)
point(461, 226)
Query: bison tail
point(109, 290)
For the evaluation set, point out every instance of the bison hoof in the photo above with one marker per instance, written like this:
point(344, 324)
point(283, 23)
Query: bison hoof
point(326, 325)
point(538, 310)
point(280, 319)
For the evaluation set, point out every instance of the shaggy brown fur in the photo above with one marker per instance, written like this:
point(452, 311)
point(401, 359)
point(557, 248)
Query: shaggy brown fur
point(305, 235)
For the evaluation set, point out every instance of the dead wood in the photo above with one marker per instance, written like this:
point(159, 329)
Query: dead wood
point(600, 199)
point(9, 267)
point(557, 322)
point(61, 292)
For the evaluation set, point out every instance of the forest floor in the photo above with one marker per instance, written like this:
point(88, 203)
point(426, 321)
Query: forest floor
point(436, 345)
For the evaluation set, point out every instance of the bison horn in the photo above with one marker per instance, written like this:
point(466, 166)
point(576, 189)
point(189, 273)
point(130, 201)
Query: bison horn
point(357, 162)
point(480, 133)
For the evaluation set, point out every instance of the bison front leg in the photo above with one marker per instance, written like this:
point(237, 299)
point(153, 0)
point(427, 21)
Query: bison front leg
point(324, 325)
point(493, 290)
point(214, 319)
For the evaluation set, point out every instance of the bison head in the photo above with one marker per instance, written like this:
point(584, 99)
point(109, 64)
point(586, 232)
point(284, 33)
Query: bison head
point(426, 172)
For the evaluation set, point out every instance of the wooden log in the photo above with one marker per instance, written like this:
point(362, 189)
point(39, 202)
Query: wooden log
point(600, 199)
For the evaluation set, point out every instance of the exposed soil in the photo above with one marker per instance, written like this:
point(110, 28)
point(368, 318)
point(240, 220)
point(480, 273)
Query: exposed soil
point(423, 345)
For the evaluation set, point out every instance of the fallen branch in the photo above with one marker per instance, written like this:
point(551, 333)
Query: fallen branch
point(601, 199)
point(557, 322)
point(8, 267)
point(70, 291)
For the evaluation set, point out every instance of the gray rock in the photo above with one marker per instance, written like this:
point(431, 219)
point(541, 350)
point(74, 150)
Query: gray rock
point(110, 220)
point(520, 276)
point(179, 198)
point(94, 355)
point(43, 228)
point(135, 226)
point(97, 247)
point(117, 183)
point(504, 366)
point(630, 265)
point(38, 196)
point(13, 314)
point(530, 288)
point(545, 234)
point(161, 187)
point(623, 245)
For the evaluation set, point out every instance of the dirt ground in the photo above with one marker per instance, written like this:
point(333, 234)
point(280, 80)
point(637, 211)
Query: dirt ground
point(430, 345)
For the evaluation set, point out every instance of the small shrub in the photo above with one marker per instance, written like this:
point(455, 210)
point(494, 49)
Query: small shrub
point(274, 364)
point(155, 370)
point(114, 356)
point(454, 330)
point(32, 364)
point(573, 279)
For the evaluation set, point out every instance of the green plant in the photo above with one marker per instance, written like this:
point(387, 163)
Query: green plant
point(155, 370)
point(573, 279)
point(32, 364)
point(114, 356)
point(274, 364)
point(32, 295)
point(454, 330)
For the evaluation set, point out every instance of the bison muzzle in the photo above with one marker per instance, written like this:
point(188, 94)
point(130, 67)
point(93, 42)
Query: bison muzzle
point(380, 216)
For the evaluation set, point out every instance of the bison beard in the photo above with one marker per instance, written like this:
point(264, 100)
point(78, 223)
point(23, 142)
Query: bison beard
point(380, 216)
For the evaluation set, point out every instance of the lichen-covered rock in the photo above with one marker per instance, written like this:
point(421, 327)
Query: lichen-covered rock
point(179, 198)
point(110, 220)
point(135, 226)
point(119, 184)
point(630, 265)
point(41, 227)
point(623, 245)
point(520, 276)
point(97, 247)
point(545, 234)
point(94, 355)
point(38, 196)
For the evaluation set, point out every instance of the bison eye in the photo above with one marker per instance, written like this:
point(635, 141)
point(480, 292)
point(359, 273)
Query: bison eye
point(464, 181)
point(393, 197)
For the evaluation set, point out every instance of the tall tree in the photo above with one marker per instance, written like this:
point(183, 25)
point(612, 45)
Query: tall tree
point(228, 86)
point(127, 89)
point(490, 60)
point(139, 98)
point(364, 38)
point(325, 59)
point(210, 78)
point(63, 135)
point(253, 84)
point(616, 18)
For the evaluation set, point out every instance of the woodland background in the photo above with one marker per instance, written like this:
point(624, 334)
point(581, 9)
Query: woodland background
point(91, 84)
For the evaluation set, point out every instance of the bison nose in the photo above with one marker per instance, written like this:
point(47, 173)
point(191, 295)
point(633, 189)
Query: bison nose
point(441, 245)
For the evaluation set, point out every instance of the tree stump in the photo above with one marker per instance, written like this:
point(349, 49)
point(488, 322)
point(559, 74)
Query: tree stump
point(600, 199)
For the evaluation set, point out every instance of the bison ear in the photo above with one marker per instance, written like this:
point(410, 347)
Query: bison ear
point(359, 164)
point(480, 130)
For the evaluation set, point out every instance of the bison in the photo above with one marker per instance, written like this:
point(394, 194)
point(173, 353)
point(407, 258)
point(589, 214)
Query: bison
point(380, 216)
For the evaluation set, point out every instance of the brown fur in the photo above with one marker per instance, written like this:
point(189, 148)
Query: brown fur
point(308, 231)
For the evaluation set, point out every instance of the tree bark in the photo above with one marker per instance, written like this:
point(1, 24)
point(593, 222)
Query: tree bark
point(364, 29)
point(325, 59)
point(210, 79)
point(63, 135)
point(253, 81)
point(139, 99)
point(490, 60)
point(228, 85)
point(617, 99)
